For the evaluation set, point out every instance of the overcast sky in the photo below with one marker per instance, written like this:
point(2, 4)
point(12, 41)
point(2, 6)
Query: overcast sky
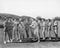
point(43, 8)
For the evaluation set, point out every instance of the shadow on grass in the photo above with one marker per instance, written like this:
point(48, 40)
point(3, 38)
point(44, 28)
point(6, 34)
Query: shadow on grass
point(30, 40)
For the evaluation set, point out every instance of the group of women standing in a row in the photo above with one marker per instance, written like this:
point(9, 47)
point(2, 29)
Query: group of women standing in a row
point(29, 28)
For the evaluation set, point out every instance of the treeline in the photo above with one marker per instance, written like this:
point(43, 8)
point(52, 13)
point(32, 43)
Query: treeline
point(4, 16)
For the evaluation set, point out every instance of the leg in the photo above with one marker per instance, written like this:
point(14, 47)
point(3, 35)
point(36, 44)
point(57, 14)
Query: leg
point(27, 33)
point(32, 33)
point(49, 33)
point(17, 35)
point(56, 32)
point(24, 33)
point(11, 36)
point(23, 36)
point(20, 36)
point(38, 33)
point(43, 33)
point(5, 37)
point(8, 37)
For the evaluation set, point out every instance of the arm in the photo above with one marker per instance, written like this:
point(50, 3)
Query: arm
point(4, 26)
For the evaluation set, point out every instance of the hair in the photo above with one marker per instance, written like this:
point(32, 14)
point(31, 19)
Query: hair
point(38, 18)
point(49, 20)
point(43, 19)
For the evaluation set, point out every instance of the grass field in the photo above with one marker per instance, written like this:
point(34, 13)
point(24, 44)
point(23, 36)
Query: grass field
point(33, 45)
point(28, 45)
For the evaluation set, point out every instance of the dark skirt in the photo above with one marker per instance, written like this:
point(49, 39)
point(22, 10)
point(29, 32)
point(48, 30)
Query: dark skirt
point(8, 29)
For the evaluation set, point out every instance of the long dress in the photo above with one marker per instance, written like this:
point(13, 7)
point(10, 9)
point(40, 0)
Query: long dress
point(21, 31)
point(35, 28)
point(9, 29)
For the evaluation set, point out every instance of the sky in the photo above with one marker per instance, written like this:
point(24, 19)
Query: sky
point(33, 8)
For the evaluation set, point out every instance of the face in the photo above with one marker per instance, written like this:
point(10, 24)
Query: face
point(20, 19)
point(42, 20)
point(48, 20)
point(9, 20)
point(55, 20)
point(26, 20)
point(32, 19)
point(38, 21)
point(15, 20)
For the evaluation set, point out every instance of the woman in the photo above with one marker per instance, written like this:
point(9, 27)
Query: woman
point(34, 26)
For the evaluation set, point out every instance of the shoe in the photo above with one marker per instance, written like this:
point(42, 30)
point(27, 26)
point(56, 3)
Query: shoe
point(11, 40)
point(8, 41)
point(56, 39)
point(20, 40)
point(17, 39)
point(4, 42)
point(49, 38)
point(38, 41)
point(43, 38)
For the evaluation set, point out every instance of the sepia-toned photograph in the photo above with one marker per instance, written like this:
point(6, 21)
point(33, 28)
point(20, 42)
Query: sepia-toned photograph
point(29, 23)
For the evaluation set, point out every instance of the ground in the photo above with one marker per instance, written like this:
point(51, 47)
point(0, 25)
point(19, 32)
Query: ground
point(33, 45)
point(28, 45)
